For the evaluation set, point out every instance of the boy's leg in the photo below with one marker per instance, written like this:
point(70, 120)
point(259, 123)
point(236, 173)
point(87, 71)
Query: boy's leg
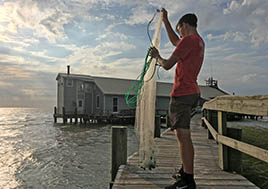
point(186, 149)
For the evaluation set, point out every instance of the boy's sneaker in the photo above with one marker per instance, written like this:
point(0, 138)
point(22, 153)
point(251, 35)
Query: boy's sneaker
point(182, 184)
point(178, 174)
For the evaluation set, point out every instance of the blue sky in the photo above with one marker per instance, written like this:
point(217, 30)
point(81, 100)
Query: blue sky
point(39, 38)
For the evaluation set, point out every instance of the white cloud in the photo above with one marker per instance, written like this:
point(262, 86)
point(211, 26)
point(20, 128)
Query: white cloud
point(5, 84)
point(249, 77)
point(233, 6)
point(140, 15)
point(92, 32)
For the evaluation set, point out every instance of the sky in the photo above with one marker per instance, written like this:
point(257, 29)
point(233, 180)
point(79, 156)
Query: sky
point(39, 38)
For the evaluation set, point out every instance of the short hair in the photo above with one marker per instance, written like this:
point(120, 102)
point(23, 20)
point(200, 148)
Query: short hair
point(189, 18)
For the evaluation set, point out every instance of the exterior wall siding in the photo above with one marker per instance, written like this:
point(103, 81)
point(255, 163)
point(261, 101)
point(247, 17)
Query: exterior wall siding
point(97, 92)
point(60, 95)
point(88, 97)
point(87, 91)
point(121, 103)
point(70, 96)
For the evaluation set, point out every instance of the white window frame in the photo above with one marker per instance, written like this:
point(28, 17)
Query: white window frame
point(115, 105)
point(68, 84)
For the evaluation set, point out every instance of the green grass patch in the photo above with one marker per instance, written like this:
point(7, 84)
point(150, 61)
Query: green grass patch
point(253, 169)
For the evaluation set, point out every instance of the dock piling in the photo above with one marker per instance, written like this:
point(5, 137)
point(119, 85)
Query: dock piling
point(55, 112)
point(157, 129)
point(234, 156)
point(63, 113)
point(118, 149)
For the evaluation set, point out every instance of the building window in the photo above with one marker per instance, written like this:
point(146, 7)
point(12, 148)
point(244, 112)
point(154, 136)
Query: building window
point(97, 101)
point(115, 104)
point(69, 82)
point(80, 103)
point(87, 87)
point(81, 87)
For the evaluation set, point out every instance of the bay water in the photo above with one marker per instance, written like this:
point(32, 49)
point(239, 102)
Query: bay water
point(36, 153)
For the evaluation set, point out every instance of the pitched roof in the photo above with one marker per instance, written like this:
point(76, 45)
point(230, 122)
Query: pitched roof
point(119, 86)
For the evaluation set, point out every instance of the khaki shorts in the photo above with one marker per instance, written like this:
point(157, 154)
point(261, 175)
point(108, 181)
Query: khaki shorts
point(180, 108)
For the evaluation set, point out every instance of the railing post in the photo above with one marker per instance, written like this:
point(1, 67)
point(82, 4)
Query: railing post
point(223, 150)
point(204, 114)
point(168, 121)
point(212, 119)
point(157, 126)
point(234, 156)
point(118, 150)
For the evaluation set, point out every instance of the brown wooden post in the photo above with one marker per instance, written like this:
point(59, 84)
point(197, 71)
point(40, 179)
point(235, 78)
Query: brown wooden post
point(118, 149)
point(55, 112)
point(223, 150)
point(63, 114)
point(234, 156)
point(168, 121)
point(204, 114)
point(157, 126)
point(213, 120)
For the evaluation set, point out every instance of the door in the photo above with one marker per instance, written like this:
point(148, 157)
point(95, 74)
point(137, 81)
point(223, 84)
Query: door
point(81, 105)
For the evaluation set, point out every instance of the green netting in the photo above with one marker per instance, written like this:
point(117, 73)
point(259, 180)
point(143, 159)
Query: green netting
point(132, 94)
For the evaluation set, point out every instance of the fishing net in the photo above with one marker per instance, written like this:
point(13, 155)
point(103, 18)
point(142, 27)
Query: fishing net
point(145, 109)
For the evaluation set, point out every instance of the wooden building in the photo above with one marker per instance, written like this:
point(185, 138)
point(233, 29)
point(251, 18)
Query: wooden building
point(103, 96)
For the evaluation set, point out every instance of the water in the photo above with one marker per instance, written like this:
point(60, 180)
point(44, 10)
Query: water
point(35, 153)
point(260, 123)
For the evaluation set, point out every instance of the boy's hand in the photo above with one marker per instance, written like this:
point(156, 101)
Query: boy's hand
point(154, 52)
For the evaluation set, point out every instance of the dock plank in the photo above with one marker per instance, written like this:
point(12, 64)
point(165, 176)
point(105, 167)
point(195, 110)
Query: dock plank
point(208, 175)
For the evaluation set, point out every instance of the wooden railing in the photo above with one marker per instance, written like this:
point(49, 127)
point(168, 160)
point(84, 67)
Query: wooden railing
point(217, 128)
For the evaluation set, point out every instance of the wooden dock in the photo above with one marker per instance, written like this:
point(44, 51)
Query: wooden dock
point(208, 175)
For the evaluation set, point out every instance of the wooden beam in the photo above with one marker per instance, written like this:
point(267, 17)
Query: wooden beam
point(249, 149)
point(251, 105)
point(211, 129)
point(222, 150)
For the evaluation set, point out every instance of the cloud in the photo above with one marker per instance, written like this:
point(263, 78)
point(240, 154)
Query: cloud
point(108, 38)
point(47, 22)
point(5, 84)
point(249, 77)
point(140, 15)
point(232, 36)
point(111, 35)
point(251, 15)
point(14, 72)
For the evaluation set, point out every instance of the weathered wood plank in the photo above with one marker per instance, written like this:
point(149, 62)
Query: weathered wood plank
point(223, 150)
point(211, 129)
point(199, 187)
point(254, 151)
point(162, 181)
point(207, 173)
point(251, 105)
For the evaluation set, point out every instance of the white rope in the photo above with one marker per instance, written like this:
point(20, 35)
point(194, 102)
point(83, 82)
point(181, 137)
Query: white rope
point(145, 111)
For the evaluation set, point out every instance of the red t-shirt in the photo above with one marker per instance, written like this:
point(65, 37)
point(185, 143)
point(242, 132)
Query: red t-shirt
point(190, 51)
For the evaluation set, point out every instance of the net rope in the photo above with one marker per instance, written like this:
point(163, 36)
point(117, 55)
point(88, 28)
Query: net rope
point(131, 96)
point(145, 109)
